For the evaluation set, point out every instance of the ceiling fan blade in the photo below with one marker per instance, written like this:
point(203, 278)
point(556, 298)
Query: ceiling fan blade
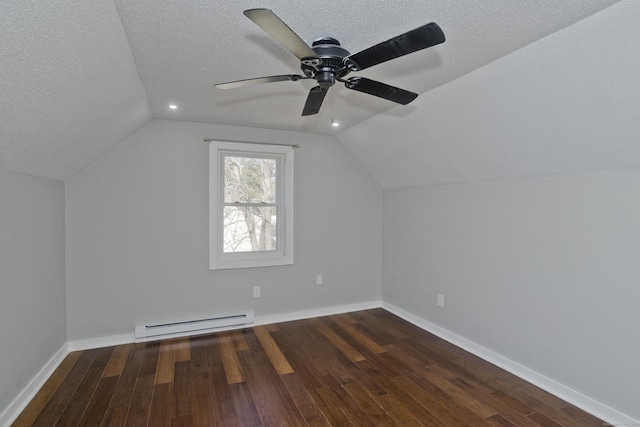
point(421, 38)
point(314, 101)
point(276, 28)
point(258, 80)
point(381, 90)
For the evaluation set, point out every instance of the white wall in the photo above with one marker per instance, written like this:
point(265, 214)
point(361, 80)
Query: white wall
point(32, 301)
point(137, 233)
point(543, 271)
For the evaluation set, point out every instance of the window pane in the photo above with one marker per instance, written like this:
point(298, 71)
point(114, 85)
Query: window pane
point(249, 228)
point(249, 180)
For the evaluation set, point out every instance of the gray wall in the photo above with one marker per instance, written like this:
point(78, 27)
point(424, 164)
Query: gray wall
point(137, 233)
point(32, 301)
point(542, 271)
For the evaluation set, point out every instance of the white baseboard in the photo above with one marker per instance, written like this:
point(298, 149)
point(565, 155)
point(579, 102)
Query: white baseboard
point(107, 341)
point(604, 412)
point(99, 342)
point(315, 312)
point(16, 407)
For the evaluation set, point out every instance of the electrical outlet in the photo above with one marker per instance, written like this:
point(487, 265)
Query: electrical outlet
point(319, 279)
point(256, 291)
point(440, 300)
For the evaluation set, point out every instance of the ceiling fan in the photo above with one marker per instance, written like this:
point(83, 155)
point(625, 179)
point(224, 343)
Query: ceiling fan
point(327, 62)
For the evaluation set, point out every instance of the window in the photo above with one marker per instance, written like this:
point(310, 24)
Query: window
point(250, 205)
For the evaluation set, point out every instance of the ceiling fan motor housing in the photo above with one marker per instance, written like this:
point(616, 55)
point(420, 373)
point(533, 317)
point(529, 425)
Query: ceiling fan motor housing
point(331, 56)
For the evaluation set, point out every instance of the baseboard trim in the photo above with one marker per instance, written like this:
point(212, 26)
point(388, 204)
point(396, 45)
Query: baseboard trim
point(107, 341)
point(99, 342)
point(592, 406)
point(21, 401)
point(315, 312)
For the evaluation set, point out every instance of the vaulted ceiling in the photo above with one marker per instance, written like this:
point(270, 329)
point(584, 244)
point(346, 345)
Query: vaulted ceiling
point(78, 76)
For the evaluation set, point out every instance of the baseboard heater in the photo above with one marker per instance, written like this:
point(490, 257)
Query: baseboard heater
point(195, 326)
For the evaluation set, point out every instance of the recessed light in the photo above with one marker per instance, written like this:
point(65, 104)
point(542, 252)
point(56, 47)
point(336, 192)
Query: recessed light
point(334, 123)
point(173, 106)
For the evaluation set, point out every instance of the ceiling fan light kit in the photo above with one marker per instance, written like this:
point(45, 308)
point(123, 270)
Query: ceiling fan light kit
point(327, 62)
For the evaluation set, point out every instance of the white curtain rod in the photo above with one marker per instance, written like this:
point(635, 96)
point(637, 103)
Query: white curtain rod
point(207, 139)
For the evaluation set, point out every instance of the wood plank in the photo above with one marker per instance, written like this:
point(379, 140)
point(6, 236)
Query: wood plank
point(440, 378)
point(316, 348)
point(384, 328)
point(568, 419)
point(183, 349)
point(37, 404)
point(542, 420)
point(296, 358)
point(499, 421)
point(330, 409)
point(230, 360)
point(512, 402)
point(405, 360)
point(162, 406)
point(103, 357)
point(346, 318)
point(368, 376)
point(506, 406)
point(183, 420)
point(398, 412)
point(97, 407)
point(117, 361)
point(581, 417)
point(219, 388)
point(374, 411)
point(339, 396)
point(303, 401)
point(347, 326)
point(118, 408)
point(80, 399)
point(243, 405)
point(166, 363)
point(526, 392)
point(238, 341)
point(150, 360)
point(182, 388)
point(439, 403)
point(141, 402)
point(62, 397)
point(273, 352)
point(271, 399)
point(417, 407)
point(200, 392)
point(337, 341)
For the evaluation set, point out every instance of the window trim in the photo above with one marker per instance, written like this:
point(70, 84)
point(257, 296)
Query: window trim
point(284, 254)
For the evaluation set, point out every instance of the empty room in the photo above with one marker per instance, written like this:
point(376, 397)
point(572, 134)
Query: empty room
point(395, 212)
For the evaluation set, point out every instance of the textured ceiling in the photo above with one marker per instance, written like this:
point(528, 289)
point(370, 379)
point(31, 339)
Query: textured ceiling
point(69, 87)
point(79, 75)
point(182, 49)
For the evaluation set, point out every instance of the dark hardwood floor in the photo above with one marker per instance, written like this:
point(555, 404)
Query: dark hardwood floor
point(368, 368)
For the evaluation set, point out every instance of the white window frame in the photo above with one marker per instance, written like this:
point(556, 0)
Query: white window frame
point(283, 255)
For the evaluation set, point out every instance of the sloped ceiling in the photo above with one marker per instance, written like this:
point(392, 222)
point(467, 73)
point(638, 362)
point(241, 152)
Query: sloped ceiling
point(69, 85)
point(80, 75)
point(568, 103)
